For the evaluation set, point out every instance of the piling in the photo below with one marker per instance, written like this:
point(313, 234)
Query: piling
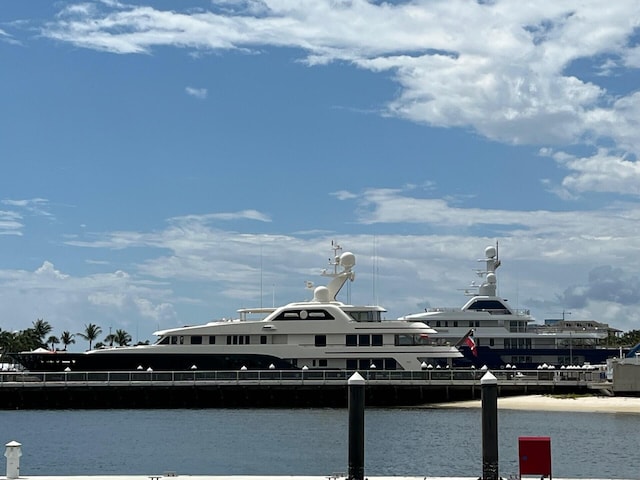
point(13, 453)
point(489, 385)
point(356, 427)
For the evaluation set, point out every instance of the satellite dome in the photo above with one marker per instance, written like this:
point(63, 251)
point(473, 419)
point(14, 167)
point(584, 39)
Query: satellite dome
point(347, 260)
point(490, 252)
point(321, 294)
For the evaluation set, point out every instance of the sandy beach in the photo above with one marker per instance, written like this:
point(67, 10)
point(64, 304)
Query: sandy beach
point(593, 404)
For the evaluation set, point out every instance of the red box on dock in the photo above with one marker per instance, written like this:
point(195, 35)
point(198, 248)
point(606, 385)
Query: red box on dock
point(535, 456)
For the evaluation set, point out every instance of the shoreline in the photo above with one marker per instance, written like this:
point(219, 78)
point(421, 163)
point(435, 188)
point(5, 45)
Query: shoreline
point(589, 404)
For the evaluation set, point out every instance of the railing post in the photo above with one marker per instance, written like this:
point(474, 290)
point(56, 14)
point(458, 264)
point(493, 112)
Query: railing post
point(489, 427)
point(13, 453)
point(356, 427)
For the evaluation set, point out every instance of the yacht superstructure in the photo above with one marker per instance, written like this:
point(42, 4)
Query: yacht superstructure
point(322, 333)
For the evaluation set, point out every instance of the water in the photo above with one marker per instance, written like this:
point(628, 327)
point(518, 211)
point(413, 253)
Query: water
point(412, 441)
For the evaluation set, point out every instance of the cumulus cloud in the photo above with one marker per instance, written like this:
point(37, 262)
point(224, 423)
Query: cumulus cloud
point(507, 74)
point(605, 284)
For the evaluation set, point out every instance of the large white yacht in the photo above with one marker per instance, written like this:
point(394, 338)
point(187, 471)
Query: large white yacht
point(322, 333)
point(507, 337)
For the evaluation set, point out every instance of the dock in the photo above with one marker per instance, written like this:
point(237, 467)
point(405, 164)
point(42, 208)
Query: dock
point(275, 388)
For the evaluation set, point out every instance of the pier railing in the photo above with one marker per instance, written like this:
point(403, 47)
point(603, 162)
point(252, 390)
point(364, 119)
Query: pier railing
point(435, 377)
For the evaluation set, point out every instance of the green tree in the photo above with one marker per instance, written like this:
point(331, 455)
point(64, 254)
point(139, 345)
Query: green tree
point(67, 339)
point(110, 339)
point(53, 341)
point(42, 328)
point(122, 338)
point(7, 340)
point(90, 333)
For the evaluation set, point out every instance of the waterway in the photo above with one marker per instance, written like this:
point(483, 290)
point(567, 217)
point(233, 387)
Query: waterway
point(407, 441)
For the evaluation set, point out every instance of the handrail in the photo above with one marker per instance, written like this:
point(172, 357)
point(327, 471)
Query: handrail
point(430, 376)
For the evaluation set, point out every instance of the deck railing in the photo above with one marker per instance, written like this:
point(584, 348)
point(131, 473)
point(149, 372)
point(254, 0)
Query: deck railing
point(429, 377)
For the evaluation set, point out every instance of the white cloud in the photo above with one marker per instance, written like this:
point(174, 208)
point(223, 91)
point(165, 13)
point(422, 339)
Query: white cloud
point(34, 206)
point(503, 74)
point(602, 172)
point(200, 93)
point(10, 223)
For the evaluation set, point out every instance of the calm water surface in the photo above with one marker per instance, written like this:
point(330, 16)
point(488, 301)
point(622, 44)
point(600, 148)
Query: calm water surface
point(422, 442)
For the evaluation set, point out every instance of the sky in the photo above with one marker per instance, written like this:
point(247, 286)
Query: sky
point(166, 163)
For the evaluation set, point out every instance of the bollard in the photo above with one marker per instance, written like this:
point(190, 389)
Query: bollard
point(356, 427)
point(489, 427)
point(13, 454)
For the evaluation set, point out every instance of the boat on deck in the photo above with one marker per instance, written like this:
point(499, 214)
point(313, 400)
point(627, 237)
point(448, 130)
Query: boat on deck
point(321, 333)
point(506, 337)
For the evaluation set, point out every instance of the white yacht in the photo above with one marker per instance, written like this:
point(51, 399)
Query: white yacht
point(507, 337)
point(322, 333)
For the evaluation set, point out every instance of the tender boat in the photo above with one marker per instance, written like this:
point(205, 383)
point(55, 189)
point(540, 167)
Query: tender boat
point(505, 337)
point(322, 333)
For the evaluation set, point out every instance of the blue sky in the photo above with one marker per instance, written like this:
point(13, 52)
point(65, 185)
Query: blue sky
point(165, 163)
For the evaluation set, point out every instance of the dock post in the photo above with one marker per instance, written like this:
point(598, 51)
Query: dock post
point(489, 427)
point(13, 454)
point(356, 427)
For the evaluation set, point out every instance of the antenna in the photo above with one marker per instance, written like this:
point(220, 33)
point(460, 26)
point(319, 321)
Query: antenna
point(375, 272)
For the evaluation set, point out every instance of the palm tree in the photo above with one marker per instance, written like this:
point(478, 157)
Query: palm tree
point(67, 339)
point(42, 328)
point(110, 339)
point(122, 338)
point(90, 333)
point(53, 341)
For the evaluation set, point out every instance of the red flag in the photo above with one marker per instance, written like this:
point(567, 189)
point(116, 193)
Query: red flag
point(471, 344)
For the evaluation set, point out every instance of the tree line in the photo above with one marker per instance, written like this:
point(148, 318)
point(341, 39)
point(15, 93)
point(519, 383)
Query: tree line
point(39, 336)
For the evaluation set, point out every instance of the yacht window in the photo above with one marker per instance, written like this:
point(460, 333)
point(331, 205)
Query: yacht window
point(390, 364)
point(352, 364)
point(376, 340)
point(263, 339)
point(455, 323)
point(229, 339)
point(196, 340)
point(365, 316)
point(437, 323)
point(407, 339)
point(212, 339)
point(163, 341)
point(321, 341)
point(364, 340)
point(304, 315)
point(471, 324)
point(491, 306)
point(322, 363)
point(491, 342)
point(352, 340)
